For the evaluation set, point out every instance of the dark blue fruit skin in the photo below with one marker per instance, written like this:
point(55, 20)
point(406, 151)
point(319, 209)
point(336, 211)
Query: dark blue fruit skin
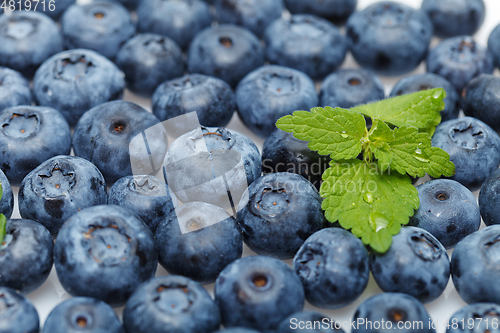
point(350, 87)
point(282, 211)
point(14, 89)
point(418, 82)
point(228, 52)
point(104, 133)
point(102, 26)
point(26, 256)
point(307, 43)
point(27, 39)
point(473, 146)
point(393, 308)
point(295, 321)
point(416, 264)
point(146, 196)
point(206, 250)
point(255, 15)
point(74, 81)
point(489, 199)
point(31, 135)
point(453, 18)
point(212, 99)
point(475, 266)
point(448, 210)
point(57, 6)
point(282, 152)
point(333, 267)
point(459, 60)
point(17, 314)
point(179, 20)
point(149, 60)
point(170, 304)
point(236, 330)
point(131, 5)
point(482, 315)
point(257, 292)
point(480, 99)
point(271, 92)
point(334, 10)
point(7, 199)
point(108, 244)
point(494, 44)
point(59, 188)
point(82, 314)
point(389, 38)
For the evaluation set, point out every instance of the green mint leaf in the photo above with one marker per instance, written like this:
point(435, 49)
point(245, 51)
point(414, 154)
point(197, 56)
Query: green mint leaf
point(410, 152)
point(420, 109)
point(370, 203)
point(330, 131)
point(3, 227)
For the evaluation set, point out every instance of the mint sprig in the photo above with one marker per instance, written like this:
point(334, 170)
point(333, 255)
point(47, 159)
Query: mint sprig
point(374, 196)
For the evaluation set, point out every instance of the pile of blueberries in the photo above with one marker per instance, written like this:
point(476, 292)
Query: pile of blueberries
point(67, 140)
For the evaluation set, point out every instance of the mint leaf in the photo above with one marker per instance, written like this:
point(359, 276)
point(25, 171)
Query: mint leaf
point(3, 227)
point(410, 152)
point(330, 131)
point(370, 203)
point(420, 109)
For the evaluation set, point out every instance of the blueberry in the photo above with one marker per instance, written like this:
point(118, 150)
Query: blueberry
point(51, 8)
point(337, 11)
point(475, 318)
point(179, 20)
point(494, 44)
point(31, 135)
point(17, 314)
point(416, 264)
point(455, 17)
point(146, 196)
point(481, 99)
point(228, 52)
point(26, 256)
point(282, 152)
point(307, 43)
point(14, 89)
point(473, 146)
point(418, 82)
point(347, 88)
point(255, 15)
point(74, 81)
point(212, 241)
point(27, 39)
point(333, 267)
point(271, 92)
point(7, 198)
point(109, 135)
point(257, 292)
point(448, 210)
point(204, 164)
point(475, 266)
point(489, 199)
point(237, 330)
point(58, 188)
point(397, 312)
point(212, 99)
point(459, 59)
point(389, 37)
point(104, 252)
point(282, 211)
point(170, 304)
point(82, 314)
point(149, 60)
point(100, 26)
point(309, 322)
point(131, 5)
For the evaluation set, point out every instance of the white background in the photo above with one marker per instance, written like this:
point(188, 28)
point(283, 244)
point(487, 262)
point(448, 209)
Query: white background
point(51, 292)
